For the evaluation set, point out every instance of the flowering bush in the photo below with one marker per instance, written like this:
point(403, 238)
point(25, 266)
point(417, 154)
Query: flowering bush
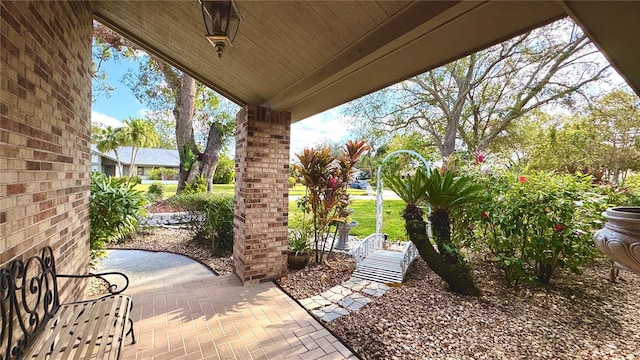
point(538, 223)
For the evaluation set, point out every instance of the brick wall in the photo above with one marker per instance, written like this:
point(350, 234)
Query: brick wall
point(45, 110)
point(261, 194)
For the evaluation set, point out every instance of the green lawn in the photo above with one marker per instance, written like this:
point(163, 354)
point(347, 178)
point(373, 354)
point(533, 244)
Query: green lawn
point(169, 189)
point(364, 210)
point(224, 188)
point(299, 190)
point(365, 214)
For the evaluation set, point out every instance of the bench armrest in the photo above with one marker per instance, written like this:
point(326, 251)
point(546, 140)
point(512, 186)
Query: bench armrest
point(114, 289)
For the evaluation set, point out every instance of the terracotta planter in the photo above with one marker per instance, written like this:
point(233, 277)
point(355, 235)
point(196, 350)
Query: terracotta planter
point(620, 237)
point(298, 261)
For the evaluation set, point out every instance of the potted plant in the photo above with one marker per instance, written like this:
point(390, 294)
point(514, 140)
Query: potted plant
point(299, 247)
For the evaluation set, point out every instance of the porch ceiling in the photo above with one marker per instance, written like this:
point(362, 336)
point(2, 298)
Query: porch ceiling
point(308, 56)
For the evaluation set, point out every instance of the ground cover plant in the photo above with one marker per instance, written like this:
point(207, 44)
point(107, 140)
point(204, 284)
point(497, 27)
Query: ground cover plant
point(210, 219)
point(169, 189)
point(156, 191)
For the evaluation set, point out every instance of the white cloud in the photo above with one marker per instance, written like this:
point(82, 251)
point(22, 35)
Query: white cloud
point(329, 125)
point(104, 120)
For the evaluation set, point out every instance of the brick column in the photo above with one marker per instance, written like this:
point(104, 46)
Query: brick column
point(261, 194)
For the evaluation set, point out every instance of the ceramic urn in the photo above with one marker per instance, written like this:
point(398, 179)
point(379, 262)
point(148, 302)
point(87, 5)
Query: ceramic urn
point(619, 239)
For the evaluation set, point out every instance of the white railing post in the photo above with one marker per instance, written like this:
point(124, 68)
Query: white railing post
point(410, 252)
point(368, 245)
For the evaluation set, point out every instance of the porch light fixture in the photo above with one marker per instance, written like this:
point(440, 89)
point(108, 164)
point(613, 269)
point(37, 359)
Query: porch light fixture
point(222, 20)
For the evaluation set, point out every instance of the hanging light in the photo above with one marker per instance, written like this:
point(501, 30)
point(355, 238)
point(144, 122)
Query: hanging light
point(222, 20)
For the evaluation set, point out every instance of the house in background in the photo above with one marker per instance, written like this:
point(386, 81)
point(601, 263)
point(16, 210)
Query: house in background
point(146, 160)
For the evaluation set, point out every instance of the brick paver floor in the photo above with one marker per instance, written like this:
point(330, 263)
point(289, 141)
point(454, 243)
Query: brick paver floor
point(215, 317)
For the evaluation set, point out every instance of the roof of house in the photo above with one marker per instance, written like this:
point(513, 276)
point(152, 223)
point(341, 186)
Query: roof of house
point(146, 157)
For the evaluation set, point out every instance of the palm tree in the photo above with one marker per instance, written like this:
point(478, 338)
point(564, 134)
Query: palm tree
point(139, 133)
point(446, 194)
point(443, 194)
point(110, 139)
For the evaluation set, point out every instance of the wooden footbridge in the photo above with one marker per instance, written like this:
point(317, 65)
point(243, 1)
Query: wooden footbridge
point(375, 263)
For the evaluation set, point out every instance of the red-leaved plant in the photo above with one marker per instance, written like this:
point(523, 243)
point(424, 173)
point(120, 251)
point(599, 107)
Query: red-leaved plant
point(326, 178)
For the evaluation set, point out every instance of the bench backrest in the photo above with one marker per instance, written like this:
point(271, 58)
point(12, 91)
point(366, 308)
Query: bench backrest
point(29, 298)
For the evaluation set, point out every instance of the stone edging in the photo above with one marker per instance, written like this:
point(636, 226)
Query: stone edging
point(163, 219)
point(342, 299)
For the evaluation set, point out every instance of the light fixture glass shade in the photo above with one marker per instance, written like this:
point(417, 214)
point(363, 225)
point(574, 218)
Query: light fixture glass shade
point(221, 20)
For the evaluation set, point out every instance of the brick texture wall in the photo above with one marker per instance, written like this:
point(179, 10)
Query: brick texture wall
point(261, 194)
point(45, 110)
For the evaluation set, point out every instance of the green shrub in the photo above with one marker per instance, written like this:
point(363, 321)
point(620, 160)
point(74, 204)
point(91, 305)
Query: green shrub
point(539, 223)
point(156, 191)
point(135, 180)
point(126, 180)
point(210, 219)
point(162, 173)
point(224, 177)
point(292, 181)
point(197, 186)
point(115, 210)
point(225, 173)
point(626, 194)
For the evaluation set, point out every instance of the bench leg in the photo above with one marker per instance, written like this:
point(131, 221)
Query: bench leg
point(133, 336)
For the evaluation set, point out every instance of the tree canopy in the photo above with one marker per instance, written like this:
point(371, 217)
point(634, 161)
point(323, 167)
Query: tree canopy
point(183, 111)
point(470, 102)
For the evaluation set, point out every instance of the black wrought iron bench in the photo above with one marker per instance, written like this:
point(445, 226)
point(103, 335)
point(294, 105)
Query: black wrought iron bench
point(36, 326)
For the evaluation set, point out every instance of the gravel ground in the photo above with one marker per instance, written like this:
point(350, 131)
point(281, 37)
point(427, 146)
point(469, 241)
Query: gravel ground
point(578, 317)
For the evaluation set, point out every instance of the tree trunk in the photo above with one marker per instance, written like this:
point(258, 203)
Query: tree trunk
point(183, 112)
point(441, 228)
point(209, 159)
point(133, 170)
point(119, 168)
point(457, 276)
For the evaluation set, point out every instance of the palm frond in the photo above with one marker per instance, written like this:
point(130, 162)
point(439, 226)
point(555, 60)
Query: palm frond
point(450, 192)
point(411, 189)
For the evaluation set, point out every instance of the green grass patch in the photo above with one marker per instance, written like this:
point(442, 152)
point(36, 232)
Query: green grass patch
point(224, 189)
point(299, 190)
point(169, 189)
point(364, 212)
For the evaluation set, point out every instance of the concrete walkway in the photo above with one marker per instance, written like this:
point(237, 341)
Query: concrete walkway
point(182, 310)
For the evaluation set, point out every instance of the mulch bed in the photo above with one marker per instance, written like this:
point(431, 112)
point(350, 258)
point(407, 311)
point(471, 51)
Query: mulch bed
point(162, 206)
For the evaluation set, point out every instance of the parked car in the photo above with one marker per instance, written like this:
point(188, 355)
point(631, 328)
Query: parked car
point(359, 184)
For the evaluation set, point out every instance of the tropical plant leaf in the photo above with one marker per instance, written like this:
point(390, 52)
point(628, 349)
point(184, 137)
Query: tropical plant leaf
point(412, 189)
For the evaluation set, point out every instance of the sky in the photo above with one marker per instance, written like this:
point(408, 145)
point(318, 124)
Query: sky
point(122, 104)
